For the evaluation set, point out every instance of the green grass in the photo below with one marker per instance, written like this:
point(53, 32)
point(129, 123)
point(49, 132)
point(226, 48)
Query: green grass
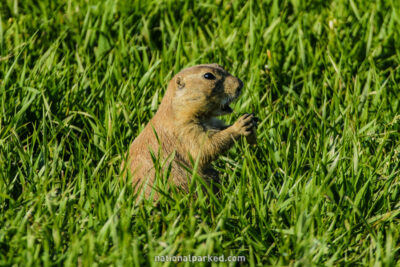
point(80, 79)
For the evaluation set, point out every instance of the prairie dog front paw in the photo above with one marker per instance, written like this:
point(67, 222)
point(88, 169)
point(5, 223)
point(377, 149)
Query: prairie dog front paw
point(243, 126)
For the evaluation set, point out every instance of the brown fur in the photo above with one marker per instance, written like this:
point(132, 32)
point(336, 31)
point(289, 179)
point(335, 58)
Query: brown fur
point(186, 126)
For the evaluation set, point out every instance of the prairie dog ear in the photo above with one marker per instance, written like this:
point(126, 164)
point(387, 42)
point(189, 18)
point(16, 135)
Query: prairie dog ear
point(180, 83)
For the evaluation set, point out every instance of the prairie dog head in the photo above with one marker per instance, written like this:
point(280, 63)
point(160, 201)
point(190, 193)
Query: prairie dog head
point(204, 91)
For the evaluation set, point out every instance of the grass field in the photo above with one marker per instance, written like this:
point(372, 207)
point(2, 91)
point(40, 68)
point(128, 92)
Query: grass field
point(80, 79)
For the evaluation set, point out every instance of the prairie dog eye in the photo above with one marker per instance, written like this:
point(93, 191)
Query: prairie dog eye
point(209, 76)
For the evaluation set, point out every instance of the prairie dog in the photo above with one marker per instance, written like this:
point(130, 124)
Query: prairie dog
point(185, 128)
